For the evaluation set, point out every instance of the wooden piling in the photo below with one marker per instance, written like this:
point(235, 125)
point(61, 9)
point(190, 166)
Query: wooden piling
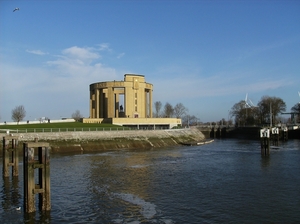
point(42, 188)
point(213, 133)
point(10, 155)
point(265, 141)
point(284, 134)
point(275, 136)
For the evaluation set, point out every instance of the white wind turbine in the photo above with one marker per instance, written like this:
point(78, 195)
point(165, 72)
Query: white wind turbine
point(248, 102)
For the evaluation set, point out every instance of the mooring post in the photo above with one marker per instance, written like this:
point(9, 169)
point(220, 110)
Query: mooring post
point(265, 141)
point(42, 163)
point(10, 155)
point(213, 132)
point(275, 136)
point(44, 178)
point(285, 134)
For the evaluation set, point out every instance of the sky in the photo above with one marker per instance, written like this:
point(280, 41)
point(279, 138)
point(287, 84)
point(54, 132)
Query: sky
point(205, 54)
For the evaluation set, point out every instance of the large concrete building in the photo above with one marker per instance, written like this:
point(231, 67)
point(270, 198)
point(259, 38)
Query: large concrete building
point(137, 94)
point(126, 103)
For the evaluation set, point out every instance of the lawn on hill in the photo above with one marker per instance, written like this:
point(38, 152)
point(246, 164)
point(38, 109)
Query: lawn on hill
point(60, 127)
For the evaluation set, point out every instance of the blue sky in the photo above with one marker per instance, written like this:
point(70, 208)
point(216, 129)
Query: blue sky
point(205, 54)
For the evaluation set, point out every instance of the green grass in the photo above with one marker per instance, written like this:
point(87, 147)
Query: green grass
point(60, 127)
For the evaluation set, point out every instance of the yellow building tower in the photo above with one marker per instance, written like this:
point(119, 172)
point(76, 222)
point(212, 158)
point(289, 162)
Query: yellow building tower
point(137, 94)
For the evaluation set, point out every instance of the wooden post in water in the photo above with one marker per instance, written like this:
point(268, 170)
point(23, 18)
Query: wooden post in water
point(265, 141)
point(213, 133)
point(10, 155)
point(42, 163)
point(275, 136)
point(285, 134)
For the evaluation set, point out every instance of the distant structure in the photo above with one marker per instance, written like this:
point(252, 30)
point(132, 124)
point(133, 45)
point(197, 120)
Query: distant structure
point(136, 110)
point(248, 102)
point(104, 98)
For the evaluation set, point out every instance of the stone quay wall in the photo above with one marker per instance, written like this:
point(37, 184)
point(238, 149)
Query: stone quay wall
point(94, 141)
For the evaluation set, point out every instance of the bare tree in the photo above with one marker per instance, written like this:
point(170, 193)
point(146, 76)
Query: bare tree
point(188, 120)
point(296, 109)
point(269, 104)
point(157, 106)
point(76, 115)
point(18, 113)
point(244, 115)
point(168, 110)
point(180, 110)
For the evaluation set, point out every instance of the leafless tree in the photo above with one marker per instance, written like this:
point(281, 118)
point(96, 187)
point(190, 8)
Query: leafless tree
point(269, 104)
point(188, 120)
point(76, 115)
point(244, 115)
point(296, 109)
point(157, 107)
point(18, 113)
point(180, 110)
point(168, 110)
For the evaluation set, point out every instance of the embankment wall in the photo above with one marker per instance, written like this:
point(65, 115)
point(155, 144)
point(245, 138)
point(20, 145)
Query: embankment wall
point(112, 140)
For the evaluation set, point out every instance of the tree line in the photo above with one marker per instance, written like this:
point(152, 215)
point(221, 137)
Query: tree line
point(267, 111)
point(178, 111)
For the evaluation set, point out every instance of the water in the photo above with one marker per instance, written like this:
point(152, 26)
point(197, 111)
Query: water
point(223, 182)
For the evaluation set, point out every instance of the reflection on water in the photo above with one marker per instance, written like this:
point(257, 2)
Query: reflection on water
point(265, 161)
point(10, 193)
point(226, 181)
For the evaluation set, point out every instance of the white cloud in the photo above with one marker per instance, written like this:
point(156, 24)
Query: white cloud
point(81, 53)
point(120, 55)
point(80, 66)
point(104, 47)
point(57, 89)
point(37, 52)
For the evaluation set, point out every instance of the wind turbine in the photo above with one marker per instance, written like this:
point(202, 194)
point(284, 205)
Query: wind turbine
point(248, 102)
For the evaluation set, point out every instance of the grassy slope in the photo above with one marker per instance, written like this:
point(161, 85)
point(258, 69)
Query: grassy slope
point(66, 125)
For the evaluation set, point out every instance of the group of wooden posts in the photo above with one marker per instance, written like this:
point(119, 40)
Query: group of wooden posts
point(32, 160)
point(271, 136)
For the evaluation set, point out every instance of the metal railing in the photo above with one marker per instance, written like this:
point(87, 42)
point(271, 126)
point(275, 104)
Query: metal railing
point(48, 130)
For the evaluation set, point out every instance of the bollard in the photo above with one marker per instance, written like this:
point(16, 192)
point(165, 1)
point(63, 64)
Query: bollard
point(10, 155)
point(275, 136)
point(265, 141)
point(285, 134)
point(42, 188)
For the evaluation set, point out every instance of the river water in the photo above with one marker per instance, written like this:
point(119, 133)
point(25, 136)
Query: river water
point(226, 181)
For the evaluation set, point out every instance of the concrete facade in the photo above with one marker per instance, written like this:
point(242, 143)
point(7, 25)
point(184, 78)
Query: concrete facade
point(137, 94)
point(135, 111)
point(138, 123)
